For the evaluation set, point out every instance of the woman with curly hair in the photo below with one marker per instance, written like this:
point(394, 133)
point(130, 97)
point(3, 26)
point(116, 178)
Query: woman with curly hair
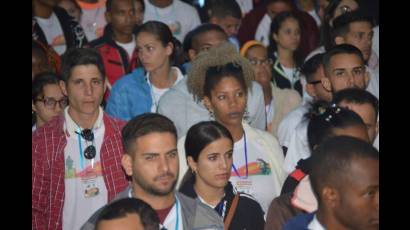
point(220, 78)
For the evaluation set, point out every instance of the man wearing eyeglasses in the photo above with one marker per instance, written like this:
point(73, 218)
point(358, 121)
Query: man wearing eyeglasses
point(76, 157)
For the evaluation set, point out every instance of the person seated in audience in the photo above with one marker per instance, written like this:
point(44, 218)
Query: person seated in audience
point(128, 213)
point(221, 78)
point(138, 92)
point(209, 152)
point(345, 180)
point(278, 102)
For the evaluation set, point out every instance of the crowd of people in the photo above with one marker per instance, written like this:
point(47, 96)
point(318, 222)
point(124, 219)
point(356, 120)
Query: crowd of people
point(186, 114)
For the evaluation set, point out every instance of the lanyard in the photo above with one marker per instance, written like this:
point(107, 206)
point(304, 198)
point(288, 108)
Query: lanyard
point(246, 160)
point(294, 77)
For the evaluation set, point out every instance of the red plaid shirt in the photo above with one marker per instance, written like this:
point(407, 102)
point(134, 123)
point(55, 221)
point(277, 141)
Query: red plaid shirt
point(47, 170)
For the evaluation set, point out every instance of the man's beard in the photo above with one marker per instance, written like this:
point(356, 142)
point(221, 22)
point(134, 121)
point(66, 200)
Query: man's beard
point(151, 189)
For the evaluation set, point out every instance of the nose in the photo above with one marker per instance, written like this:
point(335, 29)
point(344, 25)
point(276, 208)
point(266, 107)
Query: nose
point(163, 164)
point(88, 89)
point(232, 101)
point(57, 108)
point(377, 201)
point(350, 80)
point(223, 163)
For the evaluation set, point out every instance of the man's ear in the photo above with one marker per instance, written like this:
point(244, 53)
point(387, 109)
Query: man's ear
point(326, 84)
point(191, 54)
point(108, 17)
point(63, 87)
point(330, 196)
point(339, 40)
point(126, 162)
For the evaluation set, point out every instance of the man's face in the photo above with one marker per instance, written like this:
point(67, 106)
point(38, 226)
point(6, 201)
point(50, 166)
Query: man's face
point(368, 115)
point(345, 71)
point(358, 204)
point(139, 12)
point(153, 164)
point(360, 35)
point(278, 7)
point(122, 17)
point(85, 89)
point(229, 24)
point(206, 41)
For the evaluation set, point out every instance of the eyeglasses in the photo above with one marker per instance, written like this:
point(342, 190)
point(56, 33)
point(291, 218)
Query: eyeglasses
point(50, 103)
point(90, 151)
point(255, 61)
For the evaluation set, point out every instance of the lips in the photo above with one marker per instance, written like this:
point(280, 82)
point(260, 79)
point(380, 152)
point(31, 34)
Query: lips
point(222, 176)
point(235, 115)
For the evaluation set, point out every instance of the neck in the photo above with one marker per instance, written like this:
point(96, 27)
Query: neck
point(161, 4)
point(328, 221)
point(267, 93)
point(86, 121)
point(162, 77)
point(286, 57)
point(123, 38)
point(236, 131)
point(42, 10)
point(39, 122)
point(156, 202)
point(210, 194)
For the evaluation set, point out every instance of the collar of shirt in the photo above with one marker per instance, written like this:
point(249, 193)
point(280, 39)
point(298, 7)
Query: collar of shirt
point(315, 224)
point(71, 127)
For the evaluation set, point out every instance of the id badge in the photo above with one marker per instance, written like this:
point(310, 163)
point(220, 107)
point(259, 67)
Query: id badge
point(89, 184)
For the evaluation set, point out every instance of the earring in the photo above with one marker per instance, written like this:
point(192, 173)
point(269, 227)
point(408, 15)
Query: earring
point(211, 115)
point(246, 115)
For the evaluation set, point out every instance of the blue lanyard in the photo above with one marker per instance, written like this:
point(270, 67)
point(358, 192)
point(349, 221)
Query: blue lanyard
point(177, 207)
point(81, 148)
point(246, 159)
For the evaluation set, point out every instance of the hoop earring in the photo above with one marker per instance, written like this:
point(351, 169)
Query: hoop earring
point(211, 115)
point(246, 115)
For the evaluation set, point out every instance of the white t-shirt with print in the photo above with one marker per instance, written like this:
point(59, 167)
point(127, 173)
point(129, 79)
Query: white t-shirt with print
point(93, 22)
point(51, 28)
point(85, 190)
point(179, 16)
point(259, 172)
point(156, 93)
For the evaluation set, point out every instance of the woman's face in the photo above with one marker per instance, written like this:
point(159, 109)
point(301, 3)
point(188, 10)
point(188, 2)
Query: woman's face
point(43, 106)
point(152, 54)
point(139, 12)
point(214, 164)
point(228, 101)
point(262, 65)
point(288, 36)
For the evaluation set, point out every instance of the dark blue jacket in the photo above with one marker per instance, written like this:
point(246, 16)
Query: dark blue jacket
point(299, 222)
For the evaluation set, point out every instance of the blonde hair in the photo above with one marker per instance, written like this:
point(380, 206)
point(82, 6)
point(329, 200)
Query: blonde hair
point(220, 55)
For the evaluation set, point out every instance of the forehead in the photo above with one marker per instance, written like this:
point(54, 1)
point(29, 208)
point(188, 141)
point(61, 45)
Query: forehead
point(345, 61)
point(229, 20)
point(278, 7)
point(145, 37)
point(85, 72)
point(211, 37)
point(257, 52)
point(362, 26)
point(155, 142)
point(220, 145)
point(289, 22)
point(122, 4)
point(52, 90)
point(227, 83)
point(363, 173)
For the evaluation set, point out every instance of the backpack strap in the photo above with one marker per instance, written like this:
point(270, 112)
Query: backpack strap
point(297, 174)
point(231, 212)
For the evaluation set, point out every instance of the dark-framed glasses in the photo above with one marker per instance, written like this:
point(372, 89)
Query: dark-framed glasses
point(255, 61)
point(90, 151)
point(51, 103)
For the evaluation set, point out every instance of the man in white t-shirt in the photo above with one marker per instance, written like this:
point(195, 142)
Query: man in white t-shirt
point(53, 26)
point(117, 45)
point(151, 160)
point(179, 16)
point(76, 157)
point(92, 17)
